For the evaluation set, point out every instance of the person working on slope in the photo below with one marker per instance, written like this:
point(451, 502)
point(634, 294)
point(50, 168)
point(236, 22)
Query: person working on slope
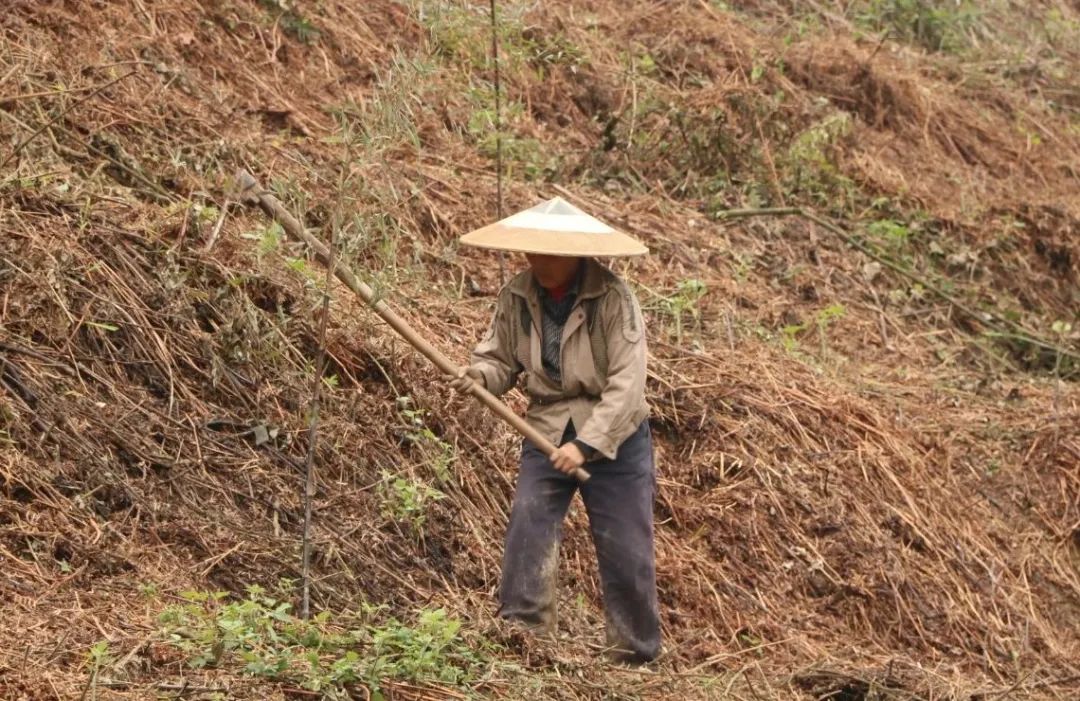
point(576, 332)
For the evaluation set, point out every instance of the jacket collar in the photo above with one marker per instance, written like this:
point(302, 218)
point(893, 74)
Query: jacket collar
point(594, 282)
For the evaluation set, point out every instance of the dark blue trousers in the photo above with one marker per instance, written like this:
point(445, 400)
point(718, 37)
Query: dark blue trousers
point(619, 501)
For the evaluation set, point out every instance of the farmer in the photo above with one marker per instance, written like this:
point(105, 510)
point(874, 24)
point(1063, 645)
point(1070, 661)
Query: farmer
point(576, 332)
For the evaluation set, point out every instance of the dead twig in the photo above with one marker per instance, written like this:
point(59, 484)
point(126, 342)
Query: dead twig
point(40, 130)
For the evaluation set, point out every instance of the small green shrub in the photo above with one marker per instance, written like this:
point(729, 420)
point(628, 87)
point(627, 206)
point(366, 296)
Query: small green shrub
point(810, 161)
point(824, 318)
point(97, 658)
point(519, 154)
point(893, 235)
point(438, 454)
point(261, 637)
point(406, 501)
point(286, 15)
point(931, 24)
point(687, 295)
point(422, 651)
point(789, 336)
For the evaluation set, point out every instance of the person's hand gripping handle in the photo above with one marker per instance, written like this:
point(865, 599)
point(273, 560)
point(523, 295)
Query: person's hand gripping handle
point(567, 459)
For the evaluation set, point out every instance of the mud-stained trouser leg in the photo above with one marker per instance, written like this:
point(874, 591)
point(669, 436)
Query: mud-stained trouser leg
point(531, 558)
point(619, 500)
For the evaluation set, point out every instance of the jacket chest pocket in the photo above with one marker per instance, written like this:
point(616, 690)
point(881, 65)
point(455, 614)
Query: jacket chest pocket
point(579, 366)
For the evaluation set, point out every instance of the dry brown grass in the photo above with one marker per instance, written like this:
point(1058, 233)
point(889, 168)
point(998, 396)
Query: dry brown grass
point(889, 506)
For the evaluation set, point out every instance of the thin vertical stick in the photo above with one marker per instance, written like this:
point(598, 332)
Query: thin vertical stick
point(498, 133)
point(313, 426)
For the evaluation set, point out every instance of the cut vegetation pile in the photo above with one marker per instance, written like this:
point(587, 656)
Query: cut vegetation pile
point(863, 306)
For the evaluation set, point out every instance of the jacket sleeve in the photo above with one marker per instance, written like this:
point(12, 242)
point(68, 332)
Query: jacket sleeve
point(494, 356)
point(617, 414)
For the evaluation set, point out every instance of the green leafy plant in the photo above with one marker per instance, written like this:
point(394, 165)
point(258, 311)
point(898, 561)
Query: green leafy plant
point(643, 63)
point(824, 318)
point(936, 26)
point(259, 635)
point(524, 154)
point(741, 266)
point(687, 295)
point(455, 31)
point(97, 657)
point(268, 238)
point(810, 161)
point(461, 33)
point(789, 336)
point(301, 266)
point(438, 454)
point(421, 651)
point(389, 119)
point(790, 333)
point(205, 213)
point(406, 501)
point(893, 235)
point(285, 13)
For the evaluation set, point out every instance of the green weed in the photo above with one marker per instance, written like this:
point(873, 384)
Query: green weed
point(519, 153)
point(687, 295)
point(430, 650)
point(741, 266)
point(288, 17)
point(438, 454)
point(789, 336)
point(933, 25)
point(457, 31)
point(268, 238)
point(824, 318)
point(461, 33)
point(893, 235)
point(387, 121)
point(97, 658)
point(406, 501)
point(1062, 331)
point(259, 636)
point(204, 213)
point(810, 165)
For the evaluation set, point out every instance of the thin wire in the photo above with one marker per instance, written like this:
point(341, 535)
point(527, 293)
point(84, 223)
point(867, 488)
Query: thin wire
point(498, 133)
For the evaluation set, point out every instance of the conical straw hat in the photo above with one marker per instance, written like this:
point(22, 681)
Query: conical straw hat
point(556, 228)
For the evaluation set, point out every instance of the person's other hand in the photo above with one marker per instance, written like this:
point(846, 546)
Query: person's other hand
point(463, 381)
point(567, 458)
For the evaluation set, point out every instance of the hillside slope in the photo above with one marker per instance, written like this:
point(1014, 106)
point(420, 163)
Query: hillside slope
point(868, 419)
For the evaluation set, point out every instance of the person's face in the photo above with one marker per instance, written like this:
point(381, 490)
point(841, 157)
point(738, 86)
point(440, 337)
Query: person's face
point(553, 271)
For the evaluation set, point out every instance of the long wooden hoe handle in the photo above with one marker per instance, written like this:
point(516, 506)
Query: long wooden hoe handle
point(251, 192)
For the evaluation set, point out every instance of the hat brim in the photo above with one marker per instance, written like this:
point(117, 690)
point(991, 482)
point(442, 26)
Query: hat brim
point(499, 237)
